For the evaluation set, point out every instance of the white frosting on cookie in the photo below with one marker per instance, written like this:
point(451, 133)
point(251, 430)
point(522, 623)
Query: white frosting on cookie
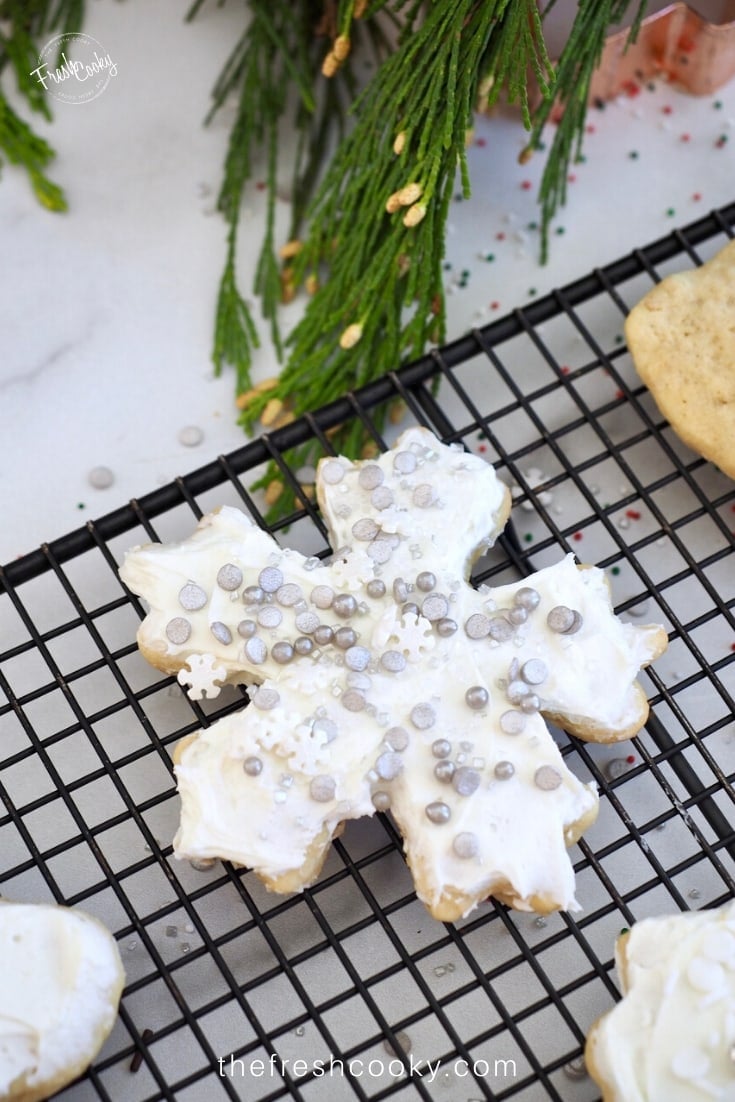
point(388, 681)
point(61, 982)
point(672, 1038)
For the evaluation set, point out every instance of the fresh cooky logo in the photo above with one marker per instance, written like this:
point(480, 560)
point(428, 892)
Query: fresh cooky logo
point(74, 68)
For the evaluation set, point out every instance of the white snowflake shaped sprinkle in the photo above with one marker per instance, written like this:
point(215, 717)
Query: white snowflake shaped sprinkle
point(203, 676)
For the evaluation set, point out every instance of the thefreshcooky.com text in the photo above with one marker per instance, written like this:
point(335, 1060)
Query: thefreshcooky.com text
point(429, 1069)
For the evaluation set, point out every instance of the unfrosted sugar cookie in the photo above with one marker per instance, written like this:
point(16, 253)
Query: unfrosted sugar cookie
point(681, 336)
point(383, 680)
point(672, 1038)
point(60, 982)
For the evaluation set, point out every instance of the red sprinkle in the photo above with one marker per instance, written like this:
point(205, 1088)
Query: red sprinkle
point(526, 185)
point(590, 129)
point(481, 142)
point(685, 137)
point(260, 185)
point(494, 305)
point(500, 236)
point(633, 514)
point(572, 179)
point(630, 759)
point(577, 536)
point(631, 89)
point(619, 394)
point(697, 196)
point(666, 110)
point(565, 369)
point(482, 448)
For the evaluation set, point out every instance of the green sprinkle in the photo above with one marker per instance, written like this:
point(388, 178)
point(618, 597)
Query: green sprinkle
point(717, 104)
point(615, 571)
point(618, 338)
point(670, 212)
point(532, 291)
point(489, 257)
point(532, 226)
point(528, 537)
point(560, 230)
point(81, 505)
point(634, 154)
point(625, 930)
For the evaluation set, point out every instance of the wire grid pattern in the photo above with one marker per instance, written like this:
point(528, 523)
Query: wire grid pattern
point(347, 990)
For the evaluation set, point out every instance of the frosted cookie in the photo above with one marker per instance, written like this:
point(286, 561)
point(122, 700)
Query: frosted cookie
point(61, 983)
point(672, 1038)
point(681, 336)
point(382, 679)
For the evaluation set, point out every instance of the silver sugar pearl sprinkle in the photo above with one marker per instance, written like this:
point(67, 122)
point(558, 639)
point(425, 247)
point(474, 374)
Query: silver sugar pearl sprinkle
point(101, 478)
point(192, 597)
point(466, 845)
point(323, 635)
point(221, 632)
point(256, 650)
point(516, 691)
point(435, 607)
point(393, 661)
point(410, 608)
point(265, 699)
point(424, 496)
point(331, 472)
point(365, 529)
point(178, 630)
point(425, 581)
point(229, 577)
point(518, 616)
point(546, 778)
point(381, 801)
point(504, 770)
point(444, 770)
point(322, 788)
point(512, 723)
point(500, 629)
point(322, 596)
point(404, 462)
point(325, 729)
point(269, 616)
point(576, 1069)
point(477, 626)
point(466, 781)
point(423, 716)
point(190, 436)
point(560, 619)
point(344, 605)
point(247, 628)
point(289, 594)
point(302, 645)
point(270, 579)
point(357, 658)
point(353, 700)
point(375, 588)
point(615, 768)
point(534, 671)
point(307, 622)
point(344, 638)
point(527, 598)
point(380, 551)
point(389, 765)
point(578, 622)
point(397, 737)
point(477, 697)
point(252, 766)
point(282, 652)
point(252, 595)
point(446, 627)
point(400, 591)
point(529, 703)
point(438, 812)
point(370, 476)
point(203, 864)
point(381, 498)
point(441, 748)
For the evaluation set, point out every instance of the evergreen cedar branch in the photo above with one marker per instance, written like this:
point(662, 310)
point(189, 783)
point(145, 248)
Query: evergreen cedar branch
point(374, 172)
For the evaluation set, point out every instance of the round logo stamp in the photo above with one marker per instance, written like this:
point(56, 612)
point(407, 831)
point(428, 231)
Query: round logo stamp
point(74, 68)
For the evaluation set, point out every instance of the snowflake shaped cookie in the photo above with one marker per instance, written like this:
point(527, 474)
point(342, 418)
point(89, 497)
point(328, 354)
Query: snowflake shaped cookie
point(385, 681)
point(672, 1037)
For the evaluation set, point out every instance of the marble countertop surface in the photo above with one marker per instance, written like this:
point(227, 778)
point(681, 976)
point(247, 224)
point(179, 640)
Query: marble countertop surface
point(106, 311)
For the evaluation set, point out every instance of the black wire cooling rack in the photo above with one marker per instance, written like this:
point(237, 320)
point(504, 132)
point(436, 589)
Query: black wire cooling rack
point(346, 991)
